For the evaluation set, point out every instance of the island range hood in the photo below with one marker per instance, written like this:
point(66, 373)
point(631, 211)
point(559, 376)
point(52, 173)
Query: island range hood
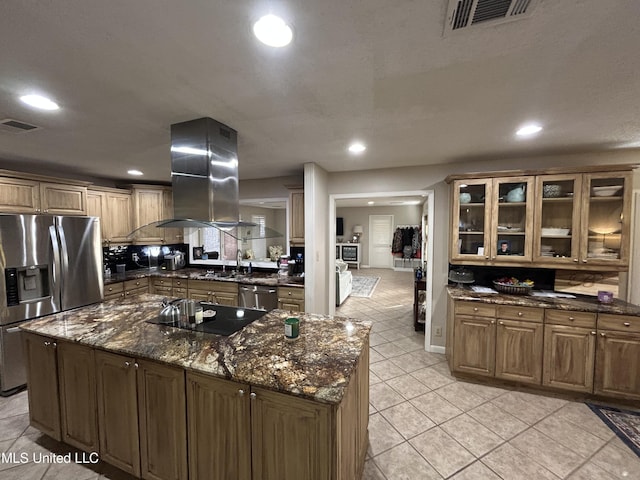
point(204, 179)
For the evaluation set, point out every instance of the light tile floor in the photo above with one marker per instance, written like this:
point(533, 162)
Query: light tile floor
point(425, 424)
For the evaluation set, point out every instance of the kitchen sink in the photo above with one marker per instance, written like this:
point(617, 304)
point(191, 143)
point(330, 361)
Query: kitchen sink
point(226, 321)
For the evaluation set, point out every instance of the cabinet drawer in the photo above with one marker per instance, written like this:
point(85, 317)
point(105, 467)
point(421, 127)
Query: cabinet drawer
point(162, 290)
point(622, 323)
point(528, 314)
point(161, 282)
point(111, 296)
point(180, 282)
point(475, 308)
point(136, 283)
point(113, 288)
point(225, 287)
point(180, 292)
point(573, 319)
point(136, 291)
point(292, 292)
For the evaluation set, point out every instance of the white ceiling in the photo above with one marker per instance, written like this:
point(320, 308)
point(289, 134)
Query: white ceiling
point(377, 70)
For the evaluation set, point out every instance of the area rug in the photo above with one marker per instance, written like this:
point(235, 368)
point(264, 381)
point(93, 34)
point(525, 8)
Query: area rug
point(625, 424)
point(364, 286)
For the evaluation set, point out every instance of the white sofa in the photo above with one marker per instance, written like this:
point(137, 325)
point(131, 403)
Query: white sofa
point(344, 281)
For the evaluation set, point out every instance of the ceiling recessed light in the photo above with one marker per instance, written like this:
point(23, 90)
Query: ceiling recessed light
point(357, 147)
point(273, 31)
point(370, 203)
point(135, 173)
point(38, 101)
point(529, 130)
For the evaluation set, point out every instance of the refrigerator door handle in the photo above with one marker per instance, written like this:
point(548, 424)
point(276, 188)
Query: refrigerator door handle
point(56, 270)
point(65, 251)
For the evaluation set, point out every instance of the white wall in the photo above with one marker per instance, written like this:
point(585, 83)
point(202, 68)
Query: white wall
point(316, 239)
point(402, 215)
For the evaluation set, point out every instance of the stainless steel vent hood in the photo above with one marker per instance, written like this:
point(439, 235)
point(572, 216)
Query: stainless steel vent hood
point(204, 178)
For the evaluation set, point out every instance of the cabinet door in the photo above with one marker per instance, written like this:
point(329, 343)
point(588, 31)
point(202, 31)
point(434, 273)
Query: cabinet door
point(78, 404)
point(147, 209)
point(474, 340)
point(42, 381)
point(224, 298)
point(569, 354)
point(58, 199)
point(96, 207)
point(519, 351)
point(511, 237)
point(291, 305)
point(171, 235)
point(219, 429)
point(291, 437)
point(605, 222)
point(199, 295)
point(118, 218)
point(163, 431)
point(471, 220)
point(618, 364)
point(296, 216)
point(557, 221)
point(118, 411)
point(19, 196)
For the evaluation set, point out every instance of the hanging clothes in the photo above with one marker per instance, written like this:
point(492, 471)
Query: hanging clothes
point(396, 244)
point(416, 242)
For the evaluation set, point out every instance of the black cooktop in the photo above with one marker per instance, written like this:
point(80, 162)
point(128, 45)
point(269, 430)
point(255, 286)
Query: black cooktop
point(226, 321)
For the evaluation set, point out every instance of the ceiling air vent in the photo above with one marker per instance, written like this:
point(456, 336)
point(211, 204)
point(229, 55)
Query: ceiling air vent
point(464, 13)
point(10, 125)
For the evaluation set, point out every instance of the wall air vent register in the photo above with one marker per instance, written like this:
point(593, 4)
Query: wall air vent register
point(465, 13)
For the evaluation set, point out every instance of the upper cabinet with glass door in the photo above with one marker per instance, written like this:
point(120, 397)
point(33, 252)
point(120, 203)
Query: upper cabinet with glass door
point(606, 210)
point(512, 219)
point(471, 222)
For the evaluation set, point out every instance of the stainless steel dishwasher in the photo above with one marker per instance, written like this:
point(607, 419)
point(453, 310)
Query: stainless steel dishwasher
point(258, 296)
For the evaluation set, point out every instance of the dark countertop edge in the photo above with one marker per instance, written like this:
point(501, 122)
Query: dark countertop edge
point(192, 274)
point(188, 364)
point(578, 304)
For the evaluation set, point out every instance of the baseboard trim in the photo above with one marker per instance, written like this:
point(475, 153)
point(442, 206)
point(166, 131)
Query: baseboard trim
point(436, 349)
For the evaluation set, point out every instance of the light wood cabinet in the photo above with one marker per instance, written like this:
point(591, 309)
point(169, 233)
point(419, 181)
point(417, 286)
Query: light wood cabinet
point(171, 235)
point(175, 287)
point(42, 381)
point(475, 339)
point(136, 286)
point(222, 293)
point(618, 357)
point(291, 298)
point(31, 196)
point(569, 220)
point(569, 354)
point(77, 384)
point(113, 206)
point(113, 290)
point(147, 208)
point(118, 411)
point(296, 216)
point(219, 428)
point(303, 446)
point(519, 351)
point(163, 422)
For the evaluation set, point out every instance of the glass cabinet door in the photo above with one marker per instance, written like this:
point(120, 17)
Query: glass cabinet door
point(471, 227)
point(512, 219)
point(605, 219)
point(557, 222)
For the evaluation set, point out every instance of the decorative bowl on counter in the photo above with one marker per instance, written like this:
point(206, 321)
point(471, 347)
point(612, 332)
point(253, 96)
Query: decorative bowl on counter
point(608, 191)
point(520, 288)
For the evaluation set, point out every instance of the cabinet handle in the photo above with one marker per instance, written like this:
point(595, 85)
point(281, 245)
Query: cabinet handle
point(575, 260)
point(46, 344)
point(571, 318)
point(593, 333)
point(626, 324)
point(137, 283)
point(602, 334)
point(475, 309)
point(584, 260)
point(241, 392)
point(487, 257)
point(501, 323)
point(519, 314)
point(492, 322)
point(135, 365)
point(493, 258)
point(252, 395)
point(127, 364)
point(54, 344)
point(289, 293)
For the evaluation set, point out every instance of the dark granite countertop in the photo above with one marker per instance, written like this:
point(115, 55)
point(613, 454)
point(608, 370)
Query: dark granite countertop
point(317, 365)
point(581, 303)
point(256, 278)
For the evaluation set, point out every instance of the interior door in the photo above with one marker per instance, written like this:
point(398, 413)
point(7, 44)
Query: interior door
point(380, 234)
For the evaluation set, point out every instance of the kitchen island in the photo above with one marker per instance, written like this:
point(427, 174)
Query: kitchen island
point(250, 405)
point(569, 344)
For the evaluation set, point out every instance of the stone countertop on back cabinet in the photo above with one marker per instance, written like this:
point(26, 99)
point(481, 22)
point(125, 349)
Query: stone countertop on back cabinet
point(256, 278)
point(581, 303)
point(317, 365)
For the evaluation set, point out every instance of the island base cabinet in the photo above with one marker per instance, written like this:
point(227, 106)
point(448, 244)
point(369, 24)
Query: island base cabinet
point(519, 351)
point(291, 437)
point(219, 436)
point(118, 411)
point(568, 357)
point(618, 364)
point(163, 422)
point(42, 381)
point(474, 339)
point(77, 383)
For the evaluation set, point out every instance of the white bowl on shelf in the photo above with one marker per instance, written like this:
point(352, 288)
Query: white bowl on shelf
point(562, 232)
point(607, 191)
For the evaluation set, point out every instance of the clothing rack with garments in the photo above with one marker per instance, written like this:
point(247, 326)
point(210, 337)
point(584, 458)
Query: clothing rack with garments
point(407, 240)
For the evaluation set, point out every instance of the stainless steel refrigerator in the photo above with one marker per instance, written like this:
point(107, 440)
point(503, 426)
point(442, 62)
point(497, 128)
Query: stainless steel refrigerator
point(47, 264)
